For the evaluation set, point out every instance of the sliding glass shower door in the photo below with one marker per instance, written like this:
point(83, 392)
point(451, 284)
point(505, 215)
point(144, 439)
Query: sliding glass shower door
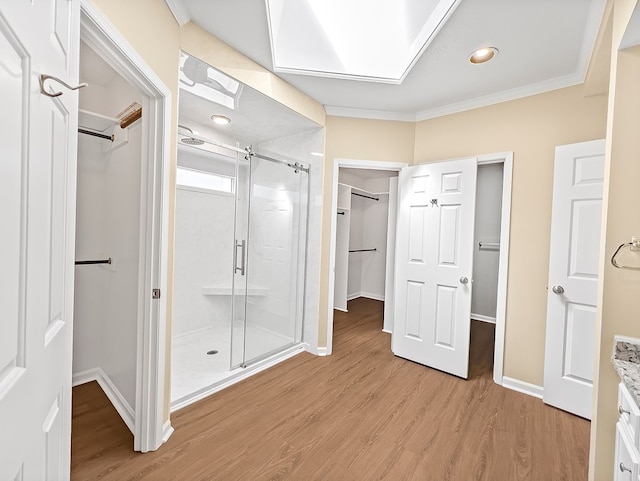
point(271, 229)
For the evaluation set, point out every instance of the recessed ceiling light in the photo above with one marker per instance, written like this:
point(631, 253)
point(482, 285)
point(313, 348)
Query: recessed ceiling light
point(221, 119)
point(317, 154)
point(483, 55)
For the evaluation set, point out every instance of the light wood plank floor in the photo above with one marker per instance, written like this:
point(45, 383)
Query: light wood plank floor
point(360, 414)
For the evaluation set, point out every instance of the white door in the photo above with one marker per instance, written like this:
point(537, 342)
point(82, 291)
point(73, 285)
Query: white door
point(37, 215)
point(434, 261)
point(573, 276)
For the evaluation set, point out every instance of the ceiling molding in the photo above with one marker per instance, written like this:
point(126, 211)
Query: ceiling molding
point(369, 114)
point(590, 38)
point(505, 96)
point(179, 11)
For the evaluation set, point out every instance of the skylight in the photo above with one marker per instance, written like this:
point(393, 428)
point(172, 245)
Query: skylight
point(373, 40)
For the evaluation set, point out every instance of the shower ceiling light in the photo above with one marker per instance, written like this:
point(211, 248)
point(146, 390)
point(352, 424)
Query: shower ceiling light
point(221, 119)
point(483, 55)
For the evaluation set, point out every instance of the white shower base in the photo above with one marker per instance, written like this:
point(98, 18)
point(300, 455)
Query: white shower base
point(193, 371)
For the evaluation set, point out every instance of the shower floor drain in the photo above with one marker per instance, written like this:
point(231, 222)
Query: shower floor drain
point(212, 352)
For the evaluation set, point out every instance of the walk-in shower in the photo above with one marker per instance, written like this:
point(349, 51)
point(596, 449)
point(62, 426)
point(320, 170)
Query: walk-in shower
point(240, 245)
point(243, 221)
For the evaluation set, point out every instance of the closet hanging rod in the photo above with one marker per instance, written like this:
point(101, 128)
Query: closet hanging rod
point(95, 134)
point(365, 196)
point(340, 213)
point(489, 246)
point(96, 261)
point(363, 250)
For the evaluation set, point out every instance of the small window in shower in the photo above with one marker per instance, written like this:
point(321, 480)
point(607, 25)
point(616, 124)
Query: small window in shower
point(203, 181)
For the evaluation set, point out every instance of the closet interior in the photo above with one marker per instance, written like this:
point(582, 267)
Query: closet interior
point(106, 307)
point(486, 255)
point(363, 230)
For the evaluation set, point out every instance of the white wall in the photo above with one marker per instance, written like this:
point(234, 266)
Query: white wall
point(108, 218)
point(356, 241)
point(341, 274)
point(487, 229)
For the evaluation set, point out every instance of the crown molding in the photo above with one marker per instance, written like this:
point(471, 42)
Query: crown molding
point(369, 114)
point(505, 96)
point(179, 11)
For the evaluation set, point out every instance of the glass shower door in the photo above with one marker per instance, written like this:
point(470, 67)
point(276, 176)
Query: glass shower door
point(271, 281)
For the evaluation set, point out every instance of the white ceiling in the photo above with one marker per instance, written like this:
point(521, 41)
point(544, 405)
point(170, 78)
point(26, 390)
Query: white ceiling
point(543, 44)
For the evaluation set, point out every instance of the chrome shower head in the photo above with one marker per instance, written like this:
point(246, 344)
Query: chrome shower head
point(191, 141)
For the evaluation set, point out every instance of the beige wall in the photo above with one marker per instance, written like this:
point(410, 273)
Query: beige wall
point(530, 127)
point(152, 31)
point(619, 309)
point(355, 139)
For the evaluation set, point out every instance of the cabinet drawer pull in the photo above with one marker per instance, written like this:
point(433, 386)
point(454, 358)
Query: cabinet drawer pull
point(623, 468)
point(621, 410)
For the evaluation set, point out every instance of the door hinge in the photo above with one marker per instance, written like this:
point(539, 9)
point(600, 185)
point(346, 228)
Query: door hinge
point(155, 294)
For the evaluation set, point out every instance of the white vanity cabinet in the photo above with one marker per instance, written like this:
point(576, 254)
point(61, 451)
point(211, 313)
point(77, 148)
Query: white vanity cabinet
point(627, 455)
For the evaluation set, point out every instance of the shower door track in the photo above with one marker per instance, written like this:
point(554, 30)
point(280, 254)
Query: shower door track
point(294, 165)
point(248, 151)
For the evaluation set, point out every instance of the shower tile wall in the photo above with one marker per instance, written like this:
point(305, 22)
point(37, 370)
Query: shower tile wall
point(204, 247)
point(299, 147)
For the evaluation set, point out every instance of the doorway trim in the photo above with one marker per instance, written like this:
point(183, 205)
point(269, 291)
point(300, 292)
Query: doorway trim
point(150, 430)
point(505, 158)
point(351, 164)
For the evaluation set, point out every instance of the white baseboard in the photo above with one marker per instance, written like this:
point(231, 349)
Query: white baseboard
point(480, 317)
point(315, 350)
point(368, 295)
point(387, 331)
point(523, 387)
point(116, 398)
point(341, 310)
point(167, 431)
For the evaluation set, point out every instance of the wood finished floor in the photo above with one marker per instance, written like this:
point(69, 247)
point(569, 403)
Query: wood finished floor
point(360, 414)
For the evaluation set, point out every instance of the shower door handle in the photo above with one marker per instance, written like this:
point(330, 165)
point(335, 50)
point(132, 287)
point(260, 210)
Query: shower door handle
point(243, 246)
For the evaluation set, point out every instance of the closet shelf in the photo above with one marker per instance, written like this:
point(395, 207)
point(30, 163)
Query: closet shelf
point(362, 191)
point(96, 122)
point(226, 290)
point(106, 128)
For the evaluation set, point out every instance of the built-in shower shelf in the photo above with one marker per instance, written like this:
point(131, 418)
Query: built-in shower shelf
point(225, 290)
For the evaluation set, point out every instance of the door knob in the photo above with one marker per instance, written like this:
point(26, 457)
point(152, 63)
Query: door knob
point(558, 289)
point(464, 280)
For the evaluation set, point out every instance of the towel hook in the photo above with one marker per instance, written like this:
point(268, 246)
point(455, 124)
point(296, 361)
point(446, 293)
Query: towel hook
point(44, 77)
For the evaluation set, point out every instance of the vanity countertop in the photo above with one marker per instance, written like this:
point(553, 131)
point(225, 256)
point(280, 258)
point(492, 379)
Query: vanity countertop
point(626, 361)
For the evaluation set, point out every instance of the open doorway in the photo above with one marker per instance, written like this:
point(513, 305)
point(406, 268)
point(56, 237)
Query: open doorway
point(492, 276)
point(121, 230)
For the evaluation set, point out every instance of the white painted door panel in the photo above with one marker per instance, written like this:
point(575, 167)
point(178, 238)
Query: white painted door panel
point(37, 212)
point(573, 269)
point(434, 256)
